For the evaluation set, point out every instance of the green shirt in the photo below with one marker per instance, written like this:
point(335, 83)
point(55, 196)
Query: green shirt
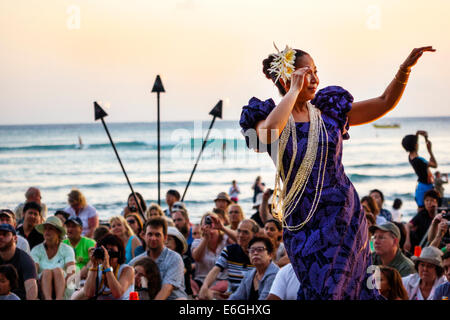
point(403, 264)
point(81, 251)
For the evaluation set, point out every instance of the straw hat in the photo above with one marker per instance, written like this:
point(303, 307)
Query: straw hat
point(431, 255)
point(54, 222)
point(223, 196)
point(172, 231)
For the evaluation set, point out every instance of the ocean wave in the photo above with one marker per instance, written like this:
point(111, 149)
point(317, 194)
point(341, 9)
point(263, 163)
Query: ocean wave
point(375, 165)
point(355, 177)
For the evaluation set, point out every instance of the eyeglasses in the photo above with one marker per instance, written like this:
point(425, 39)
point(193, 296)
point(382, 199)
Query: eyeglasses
point(234, 211)
point(131, 221)
point(256, 249)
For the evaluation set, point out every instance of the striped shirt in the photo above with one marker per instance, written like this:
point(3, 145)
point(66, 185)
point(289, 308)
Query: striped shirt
point(237, 263)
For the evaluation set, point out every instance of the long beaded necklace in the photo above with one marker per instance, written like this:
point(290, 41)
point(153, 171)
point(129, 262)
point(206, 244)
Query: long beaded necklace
point(288, 200)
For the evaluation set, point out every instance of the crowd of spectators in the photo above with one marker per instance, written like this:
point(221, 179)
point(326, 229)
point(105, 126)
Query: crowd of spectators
point(160, 254)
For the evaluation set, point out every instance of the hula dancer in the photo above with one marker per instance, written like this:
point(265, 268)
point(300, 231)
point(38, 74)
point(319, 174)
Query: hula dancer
point(325, 232)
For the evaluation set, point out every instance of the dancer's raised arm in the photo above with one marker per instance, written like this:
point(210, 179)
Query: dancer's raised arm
point(369, 110)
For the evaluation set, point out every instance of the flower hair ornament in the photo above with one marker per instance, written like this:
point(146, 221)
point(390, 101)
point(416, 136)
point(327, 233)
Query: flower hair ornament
point(283, 63)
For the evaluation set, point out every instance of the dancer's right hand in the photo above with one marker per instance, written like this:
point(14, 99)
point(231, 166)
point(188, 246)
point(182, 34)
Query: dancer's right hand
point(298, 78)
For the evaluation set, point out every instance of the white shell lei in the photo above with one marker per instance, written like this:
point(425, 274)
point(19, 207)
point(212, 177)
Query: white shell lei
point(288, 201)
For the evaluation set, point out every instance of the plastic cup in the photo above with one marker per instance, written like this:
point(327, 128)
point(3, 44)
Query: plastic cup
point(134, 295)
point(417, 251)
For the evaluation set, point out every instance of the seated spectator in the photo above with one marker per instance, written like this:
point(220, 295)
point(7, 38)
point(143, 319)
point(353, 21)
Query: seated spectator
point(132, 207)
point(8, 282)
point(32, 195)
point(55, 261)
point(180, 217)
point(422, 285)
point(444, 289)
point(80, 244)
point(24, 264)
point(274, 231)
point(416, 229)
point(369, 205)
point(7, 216)
point(172, 196)
point(378, 197)
point(397, 215)
point(177, 242)
point(438, 233)
point(387, 250)
point(223, 216)
point(110, 278)
point(223, 201)
point(78, 207)
point(137, 225)
point(100, 232)
point(206, 250)
point(196, 231)
point(147, 281)
point(234, 259)
point(31, 218)
point(391, 285)
point(263, 206)
point(439, 180)
point(257, 283)
point(154, 210)
point(62, 215)
point(236, 216)
point(285, 286)
point(120, 228)
point(170, 263)
point(218, 223)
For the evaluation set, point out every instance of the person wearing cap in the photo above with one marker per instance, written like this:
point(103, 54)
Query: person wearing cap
point(80, 244)
point(31, 218)
point(78, 207)
point(33, 194)
point(223, 201)
point(62, 215)
point(387, 249)
point(7, 216)
point(24, 264)
point(443, 291)
point(422, 285)
point(177, 242)
point(169, 262)
point(55, 261)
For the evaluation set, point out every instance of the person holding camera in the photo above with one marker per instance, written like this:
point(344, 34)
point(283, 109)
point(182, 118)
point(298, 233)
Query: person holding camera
point(439, 234)
point(109, 278)
point(206, 250)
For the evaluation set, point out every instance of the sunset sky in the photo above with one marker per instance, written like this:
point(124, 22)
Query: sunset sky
point(59, 56)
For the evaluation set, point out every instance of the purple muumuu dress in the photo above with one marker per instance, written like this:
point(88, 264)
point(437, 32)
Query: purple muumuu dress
point(331, 253)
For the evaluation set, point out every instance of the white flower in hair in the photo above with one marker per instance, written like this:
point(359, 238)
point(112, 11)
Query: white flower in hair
point(283, 63)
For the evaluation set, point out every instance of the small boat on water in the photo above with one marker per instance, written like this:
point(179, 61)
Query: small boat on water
point(386, 126)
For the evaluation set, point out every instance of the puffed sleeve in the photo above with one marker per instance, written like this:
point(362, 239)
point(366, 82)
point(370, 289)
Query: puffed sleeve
point(255, 111)
point(335, 102)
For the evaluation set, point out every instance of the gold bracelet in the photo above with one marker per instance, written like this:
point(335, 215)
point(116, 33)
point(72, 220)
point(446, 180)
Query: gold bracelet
point(398, 80)
point(93, 269)
point(405, 72)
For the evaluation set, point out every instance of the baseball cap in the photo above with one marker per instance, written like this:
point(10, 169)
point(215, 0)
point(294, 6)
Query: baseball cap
point(389, 227)
point(7, 227)
point(74, 220)
point(178, 205)
point(7, 212)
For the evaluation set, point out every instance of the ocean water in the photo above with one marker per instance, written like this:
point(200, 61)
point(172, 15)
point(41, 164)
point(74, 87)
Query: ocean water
point(49, 157)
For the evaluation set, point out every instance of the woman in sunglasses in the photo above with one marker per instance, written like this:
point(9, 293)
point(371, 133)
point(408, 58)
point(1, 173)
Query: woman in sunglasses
point(137, 225)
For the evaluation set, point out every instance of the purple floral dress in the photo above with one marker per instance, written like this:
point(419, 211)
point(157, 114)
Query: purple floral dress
point(330, 254)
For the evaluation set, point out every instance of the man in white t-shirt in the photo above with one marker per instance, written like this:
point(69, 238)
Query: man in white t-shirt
point(285, 286)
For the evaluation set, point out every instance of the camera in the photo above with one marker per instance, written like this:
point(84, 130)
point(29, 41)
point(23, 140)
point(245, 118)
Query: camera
point(99, 253)
point(446, 216)
point(208, 220)
point(133, 209)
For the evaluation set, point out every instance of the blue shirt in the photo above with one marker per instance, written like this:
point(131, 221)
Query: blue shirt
point(243, 291)
point(442, 291)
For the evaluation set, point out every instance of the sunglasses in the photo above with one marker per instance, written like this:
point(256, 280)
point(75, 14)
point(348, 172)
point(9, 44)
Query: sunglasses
point(131, 221)
point(234, 211)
